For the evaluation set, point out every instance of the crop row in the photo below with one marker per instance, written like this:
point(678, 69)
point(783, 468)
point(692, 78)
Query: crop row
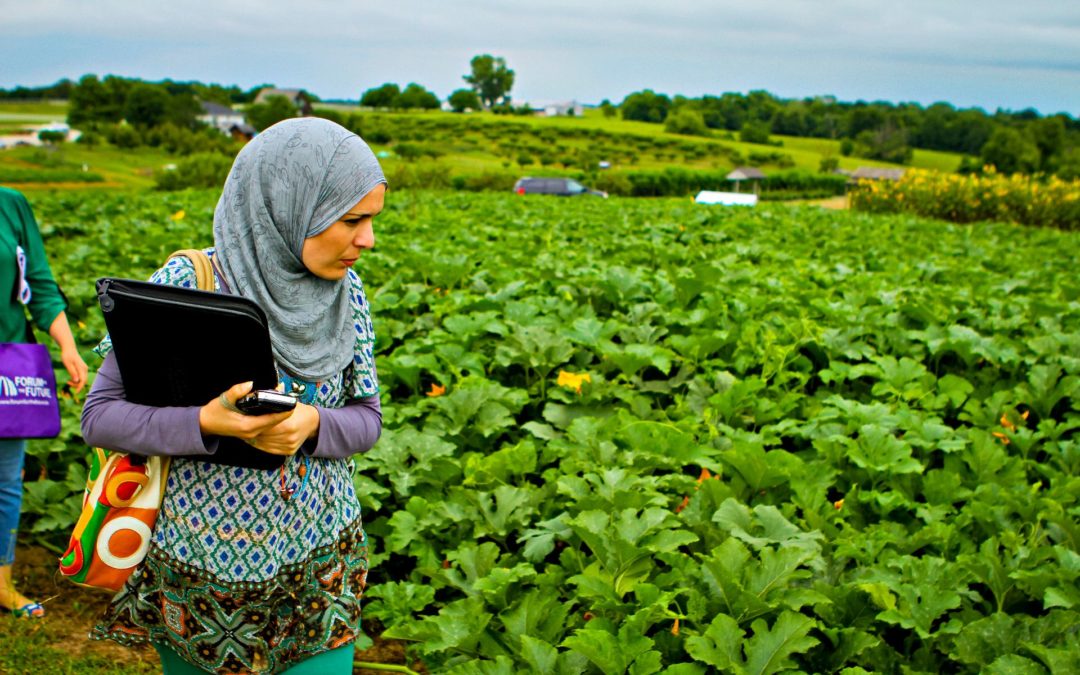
point(639, 435)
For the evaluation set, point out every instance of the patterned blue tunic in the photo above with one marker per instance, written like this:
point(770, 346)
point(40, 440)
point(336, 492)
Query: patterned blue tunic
point(238, 578)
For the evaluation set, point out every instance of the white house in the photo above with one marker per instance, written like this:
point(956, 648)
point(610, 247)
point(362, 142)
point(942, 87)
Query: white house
point(221, 117)
point(558, 109)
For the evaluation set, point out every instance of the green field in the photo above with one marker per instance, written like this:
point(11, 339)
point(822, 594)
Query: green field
point(686, 439)
point(475, 144)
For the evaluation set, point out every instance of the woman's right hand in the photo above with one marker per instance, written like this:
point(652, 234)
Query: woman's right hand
point(215, 419)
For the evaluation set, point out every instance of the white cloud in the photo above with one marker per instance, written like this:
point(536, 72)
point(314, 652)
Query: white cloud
point(564, 48)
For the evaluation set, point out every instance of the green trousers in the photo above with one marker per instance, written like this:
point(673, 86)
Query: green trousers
point(334, 662)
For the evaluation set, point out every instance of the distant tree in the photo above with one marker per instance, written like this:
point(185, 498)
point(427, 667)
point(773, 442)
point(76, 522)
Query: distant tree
point(464, 99)
point(381, 97)
point(726, 112)
point(415, 96)
point(1067, 164)
point(756, 131)
point(889, 144)
point(183, 110)
point(608, 109)
point(645, 106)
point(123, 136)
point(275, 109)
point(761, 105)
point(1049, 135)
point(865, 118)
point(686, 121)
point(52, 137)
point(1010, 151)
point(971, 130)
point(146, 105)
point(91, 103)
point(791, 120)
point(490, 79)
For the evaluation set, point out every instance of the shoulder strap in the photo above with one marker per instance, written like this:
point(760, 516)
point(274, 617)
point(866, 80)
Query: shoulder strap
point(204, 271)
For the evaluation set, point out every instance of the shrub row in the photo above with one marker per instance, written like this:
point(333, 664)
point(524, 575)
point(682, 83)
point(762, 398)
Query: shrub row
point(21, 175)
point(964, 199)
point(673, 182)
point(201, 170)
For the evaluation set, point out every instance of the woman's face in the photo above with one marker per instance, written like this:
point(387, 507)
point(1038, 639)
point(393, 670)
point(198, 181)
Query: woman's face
point(330, 254)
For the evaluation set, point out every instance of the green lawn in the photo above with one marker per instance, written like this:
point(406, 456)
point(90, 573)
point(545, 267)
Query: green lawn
point(806, 153)
point(33, 112)
point(121, 168)
point(476, 148)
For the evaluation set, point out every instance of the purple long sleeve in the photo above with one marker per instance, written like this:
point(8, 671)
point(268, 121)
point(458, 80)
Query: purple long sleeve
point(109, 421)
point(343, 432)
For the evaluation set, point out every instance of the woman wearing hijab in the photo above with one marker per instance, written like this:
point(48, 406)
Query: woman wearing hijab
point(26, 283)
point(252, 570)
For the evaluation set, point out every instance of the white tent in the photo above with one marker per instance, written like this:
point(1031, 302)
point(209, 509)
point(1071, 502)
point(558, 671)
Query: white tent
point(726, 198)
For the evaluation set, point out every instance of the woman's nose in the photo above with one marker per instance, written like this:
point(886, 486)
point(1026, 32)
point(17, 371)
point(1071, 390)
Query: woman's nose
point(365, 238)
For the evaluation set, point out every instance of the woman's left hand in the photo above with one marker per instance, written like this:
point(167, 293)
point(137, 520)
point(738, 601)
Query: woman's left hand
point(75, 366)
point(286, 437)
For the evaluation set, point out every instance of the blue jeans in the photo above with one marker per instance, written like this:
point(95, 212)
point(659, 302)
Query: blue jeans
point(11, 464)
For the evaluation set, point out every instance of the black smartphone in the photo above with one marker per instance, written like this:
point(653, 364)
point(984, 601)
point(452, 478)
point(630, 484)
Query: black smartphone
point(265, 402)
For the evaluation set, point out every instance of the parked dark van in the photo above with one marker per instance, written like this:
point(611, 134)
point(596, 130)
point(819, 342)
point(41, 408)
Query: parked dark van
point(563, 187)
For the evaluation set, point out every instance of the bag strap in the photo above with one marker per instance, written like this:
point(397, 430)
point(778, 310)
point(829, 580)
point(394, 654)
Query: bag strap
point(204, 270)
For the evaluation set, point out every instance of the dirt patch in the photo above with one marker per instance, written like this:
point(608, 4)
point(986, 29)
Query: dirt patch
point(833, 202)
point(70, 613)
point(384, 651)
point(70, 610)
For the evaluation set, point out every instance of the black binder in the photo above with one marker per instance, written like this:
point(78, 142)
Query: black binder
point(182, 347)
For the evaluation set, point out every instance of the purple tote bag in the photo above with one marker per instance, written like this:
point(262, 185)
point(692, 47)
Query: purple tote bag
point(28, 405)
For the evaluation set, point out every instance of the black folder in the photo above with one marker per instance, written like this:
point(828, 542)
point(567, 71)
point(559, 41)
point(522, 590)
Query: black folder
point(182, 347)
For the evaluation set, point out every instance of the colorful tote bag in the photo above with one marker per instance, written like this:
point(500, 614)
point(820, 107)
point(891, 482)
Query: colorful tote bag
point(121, 503)
point(28, 405)
point(120, 506)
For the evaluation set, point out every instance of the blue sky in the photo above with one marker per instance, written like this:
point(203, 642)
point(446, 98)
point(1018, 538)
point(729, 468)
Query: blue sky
point(986, 53)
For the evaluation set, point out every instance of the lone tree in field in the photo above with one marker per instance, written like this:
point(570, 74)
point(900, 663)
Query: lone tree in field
point(464, 99)
point(490, 78)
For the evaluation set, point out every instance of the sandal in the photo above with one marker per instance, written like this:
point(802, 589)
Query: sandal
point(32, 610)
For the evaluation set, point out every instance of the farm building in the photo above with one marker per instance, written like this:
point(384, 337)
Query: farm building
point(746, 173)
point(242, 132)
point(875, 173)
point(298, 97)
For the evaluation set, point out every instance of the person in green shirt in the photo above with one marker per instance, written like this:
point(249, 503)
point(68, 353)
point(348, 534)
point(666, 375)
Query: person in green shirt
point(25, 283)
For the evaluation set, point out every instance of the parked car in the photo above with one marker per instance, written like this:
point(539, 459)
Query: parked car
point(563, 187)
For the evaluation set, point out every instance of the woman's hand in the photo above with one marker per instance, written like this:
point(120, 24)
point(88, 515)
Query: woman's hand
point(287, 436)
point(75, 366)
point(215, 419)
point(60, 332)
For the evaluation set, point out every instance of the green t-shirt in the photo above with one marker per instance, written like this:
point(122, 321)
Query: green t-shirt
point(18, 228)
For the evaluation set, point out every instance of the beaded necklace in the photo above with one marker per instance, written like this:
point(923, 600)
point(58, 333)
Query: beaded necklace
point(304, 393)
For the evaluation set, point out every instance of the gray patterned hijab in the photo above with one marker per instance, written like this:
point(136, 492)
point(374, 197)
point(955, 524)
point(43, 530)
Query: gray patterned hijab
point(291, 182)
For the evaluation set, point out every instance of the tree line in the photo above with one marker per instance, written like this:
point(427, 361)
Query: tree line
point(1023, 141)
point(1012, 142)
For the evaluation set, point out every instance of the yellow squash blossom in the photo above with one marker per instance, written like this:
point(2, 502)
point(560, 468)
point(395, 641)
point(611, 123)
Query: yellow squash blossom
point(572, 380)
